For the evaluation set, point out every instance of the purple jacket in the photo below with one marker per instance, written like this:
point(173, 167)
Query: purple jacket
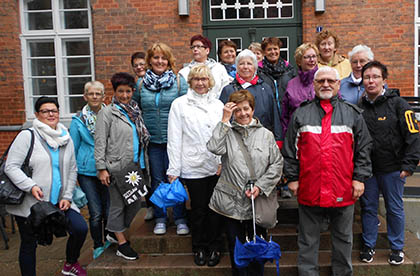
point(296, 93)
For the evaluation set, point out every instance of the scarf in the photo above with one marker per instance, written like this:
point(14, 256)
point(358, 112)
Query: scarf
point(156, 82)
point(307, 77)
point(275, 70)
point(134, 113)
point(54, 137)
point(89, 117)
point(230, 68)
point(246, 84)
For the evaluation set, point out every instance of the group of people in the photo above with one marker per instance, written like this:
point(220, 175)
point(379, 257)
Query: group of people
point(342, 133)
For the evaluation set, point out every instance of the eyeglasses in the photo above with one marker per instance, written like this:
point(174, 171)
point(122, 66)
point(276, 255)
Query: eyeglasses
point(200, 79)
point(192, 47)
point(135, 65)
point(361, 61)
point(48, 111)
point(309, 57)
point(374, 77)
point(93, 94)
point(322, 81)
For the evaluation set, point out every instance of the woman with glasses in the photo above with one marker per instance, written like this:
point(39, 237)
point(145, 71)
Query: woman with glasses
point(138, 63)
point(200, 47)
point(300, 88)
point(54, 175)
point(192, 119)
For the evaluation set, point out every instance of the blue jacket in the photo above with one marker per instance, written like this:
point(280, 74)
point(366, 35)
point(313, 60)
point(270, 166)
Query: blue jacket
point(350, 91)
point(155, 106)
point(84, 145)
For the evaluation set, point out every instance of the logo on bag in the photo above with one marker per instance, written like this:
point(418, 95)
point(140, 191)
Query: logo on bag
point(133, 178)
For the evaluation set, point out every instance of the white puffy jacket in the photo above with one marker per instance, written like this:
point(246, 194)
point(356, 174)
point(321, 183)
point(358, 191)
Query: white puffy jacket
point(192, 119)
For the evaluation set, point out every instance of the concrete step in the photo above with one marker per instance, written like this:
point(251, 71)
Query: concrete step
point(183, 265)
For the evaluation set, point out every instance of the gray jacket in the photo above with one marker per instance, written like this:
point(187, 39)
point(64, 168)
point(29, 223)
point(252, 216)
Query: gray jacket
point(40, 163)
point(229, 197)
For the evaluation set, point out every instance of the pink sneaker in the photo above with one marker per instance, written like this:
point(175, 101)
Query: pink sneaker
point(73, 269)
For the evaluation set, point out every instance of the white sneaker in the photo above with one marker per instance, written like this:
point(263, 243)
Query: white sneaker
point(149, 214)
point(182, 229)
point(160, 228)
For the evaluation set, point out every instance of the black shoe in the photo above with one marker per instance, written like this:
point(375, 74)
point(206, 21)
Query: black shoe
point(124, 250)
point(214, 258)
point(366, 255)
point(111, 237)
point(200, 258)
point(396, 257)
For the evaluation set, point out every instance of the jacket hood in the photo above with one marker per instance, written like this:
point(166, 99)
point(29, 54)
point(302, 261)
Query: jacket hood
point(255, 123)
point(209, 62)
point(335, 60)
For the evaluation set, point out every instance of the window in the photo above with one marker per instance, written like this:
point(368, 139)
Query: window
point(57, 52)
point(417, 49)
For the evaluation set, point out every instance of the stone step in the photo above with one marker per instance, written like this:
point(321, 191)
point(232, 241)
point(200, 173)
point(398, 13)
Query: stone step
point(183, 265)
point(144, 240)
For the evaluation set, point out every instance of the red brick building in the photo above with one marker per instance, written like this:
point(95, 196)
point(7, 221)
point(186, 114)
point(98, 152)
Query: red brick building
point(52, 47)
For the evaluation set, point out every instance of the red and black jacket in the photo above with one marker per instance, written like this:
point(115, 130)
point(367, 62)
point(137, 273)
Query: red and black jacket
point(327, 145)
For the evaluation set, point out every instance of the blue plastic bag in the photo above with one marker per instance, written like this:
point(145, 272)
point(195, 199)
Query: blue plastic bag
point(79, 197)
point(169, 194)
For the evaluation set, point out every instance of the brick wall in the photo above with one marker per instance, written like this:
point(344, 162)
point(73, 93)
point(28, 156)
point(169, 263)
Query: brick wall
point(387, 26)
point(121, 28)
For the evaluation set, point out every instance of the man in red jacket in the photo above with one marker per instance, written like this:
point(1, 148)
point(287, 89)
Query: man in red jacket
point(326, 153)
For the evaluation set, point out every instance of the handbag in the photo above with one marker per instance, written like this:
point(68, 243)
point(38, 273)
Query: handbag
point(9, 193)
point(265, 207)
point(130, 183)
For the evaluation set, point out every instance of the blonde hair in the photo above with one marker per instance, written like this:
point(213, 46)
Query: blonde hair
point(201, 70)
point(94, 84)
point(160, 47)
point(300, 51)
point(255, 46)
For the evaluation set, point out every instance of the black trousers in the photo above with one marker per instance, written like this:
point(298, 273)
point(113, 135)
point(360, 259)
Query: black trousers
point(242, 229)
point(206, 225)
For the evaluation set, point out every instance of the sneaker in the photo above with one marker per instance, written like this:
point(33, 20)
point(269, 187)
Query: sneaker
point(150, 214)
point(182, 229)
point(396, 257)
point(160, 228)
point(124, 250)
point(98, 251)
point(285, 193)
point(366, 255)
point(111, 237)
point(73, 269)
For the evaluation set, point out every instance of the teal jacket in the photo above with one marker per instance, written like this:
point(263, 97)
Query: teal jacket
point(155, 106)
point(84, 145)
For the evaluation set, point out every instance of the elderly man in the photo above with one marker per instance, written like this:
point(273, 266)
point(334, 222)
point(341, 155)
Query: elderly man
point(200, 47)
point(326, 153)
point(352, 88)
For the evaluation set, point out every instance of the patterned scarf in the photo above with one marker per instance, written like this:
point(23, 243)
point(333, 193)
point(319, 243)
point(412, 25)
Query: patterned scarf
point(231, 69)
point(134, 113)
point(156, 82)
point(307, 77)
point(89, 117)
point(275, 70)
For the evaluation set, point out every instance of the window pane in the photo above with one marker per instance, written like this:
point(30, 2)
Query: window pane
point(39, 5)
point(272, 12)
point(230, 2)
point(230, 13)
point(286, 11)
point(244, 13)
point(272, 1)
point(78, 66)
point(75, 4)
point(40, 21)
point(216, 14)
point(258, 1)
point(43, 67)
point(216, 2)
point(283, 55)
point(41, 49)
point(76, 85)
point(44, 86)
point(77, 48)
point(75, 20)
point(76, 104)
point(287, 1)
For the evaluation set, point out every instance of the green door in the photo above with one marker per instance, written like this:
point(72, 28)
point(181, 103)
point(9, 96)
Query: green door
point(246, 21)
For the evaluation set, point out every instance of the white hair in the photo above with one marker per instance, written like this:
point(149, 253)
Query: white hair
point(361, 48)
point(247, 54)
point(94, 84)
point(325, 69)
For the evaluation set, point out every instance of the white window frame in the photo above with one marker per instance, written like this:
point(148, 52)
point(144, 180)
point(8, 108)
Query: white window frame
point(58, 35)
point(416, 48)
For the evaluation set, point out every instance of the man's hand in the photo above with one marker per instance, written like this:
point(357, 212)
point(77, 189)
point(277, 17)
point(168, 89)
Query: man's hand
point(255, 191)
point(405, 174)
point(104, 177)
point(358, 189)
point(293, 186)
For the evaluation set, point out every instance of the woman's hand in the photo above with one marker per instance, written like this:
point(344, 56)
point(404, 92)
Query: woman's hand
point(228, 111)
point(64, 205)
point(254, 191)
point(104, 177)
point(172, 178)
point(37, 193)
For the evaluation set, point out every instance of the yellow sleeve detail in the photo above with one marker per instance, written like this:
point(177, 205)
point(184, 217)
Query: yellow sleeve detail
point(410, 123)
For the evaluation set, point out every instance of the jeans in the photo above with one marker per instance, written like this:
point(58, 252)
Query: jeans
point(98, 204)
point(158, 161)
point(28, 243)
point(392, 187)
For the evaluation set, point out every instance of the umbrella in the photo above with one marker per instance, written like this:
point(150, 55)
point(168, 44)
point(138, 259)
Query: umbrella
point(256, 250)
point(169, 194)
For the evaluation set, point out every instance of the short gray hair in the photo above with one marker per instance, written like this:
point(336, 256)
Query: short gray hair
point(247, 54)
point(325, 69)
point(94, 84)
point(361, 48)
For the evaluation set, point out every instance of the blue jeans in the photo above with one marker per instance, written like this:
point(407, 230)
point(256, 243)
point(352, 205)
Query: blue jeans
point(28, 243)
point(98, 205)
point(392, 187)
point(158, 162)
